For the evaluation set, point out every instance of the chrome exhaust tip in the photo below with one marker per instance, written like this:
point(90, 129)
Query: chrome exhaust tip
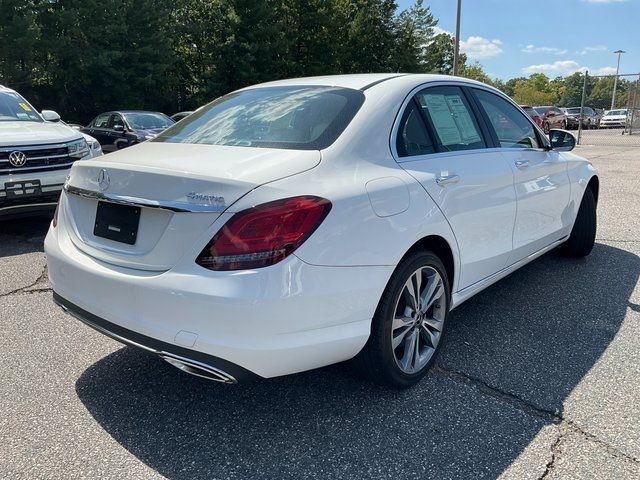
point(197, 369)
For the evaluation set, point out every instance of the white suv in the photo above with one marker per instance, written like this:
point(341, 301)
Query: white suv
point(36, 153)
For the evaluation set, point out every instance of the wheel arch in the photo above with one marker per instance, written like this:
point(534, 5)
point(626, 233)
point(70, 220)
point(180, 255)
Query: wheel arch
point(594, 185)
point(441, 247)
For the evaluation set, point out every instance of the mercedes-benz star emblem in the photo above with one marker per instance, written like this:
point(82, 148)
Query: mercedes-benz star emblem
point(103, 180)
point(17, 158)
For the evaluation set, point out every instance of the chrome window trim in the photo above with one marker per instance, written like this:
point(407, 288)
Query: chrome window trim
point(400, 113)
point(170, 205)
point(445, 83)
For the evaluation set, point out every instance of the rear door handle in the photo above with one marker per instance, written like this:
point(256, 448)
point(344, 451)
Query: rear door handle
point(443, 180)
point(522, 163)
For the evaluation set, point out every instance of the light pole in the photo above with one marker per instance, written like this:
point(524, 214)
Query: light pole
point(456, 46)
point(615, 80)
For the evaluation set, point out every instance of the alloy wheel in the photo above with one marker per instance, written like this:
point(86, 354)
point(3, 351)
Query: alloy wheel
point(418, 319)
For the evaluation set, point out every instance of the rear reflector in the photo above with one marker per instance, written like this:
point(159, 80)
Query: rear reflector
point(264, 235)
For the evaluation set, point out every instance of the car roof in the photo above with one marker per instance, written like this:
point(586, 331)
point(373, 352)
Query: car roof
point(365, 81)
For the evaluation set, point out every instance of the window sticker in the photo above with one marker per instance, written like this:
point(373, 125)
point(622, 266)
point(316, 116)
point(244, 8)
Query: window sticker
point(25, 107)
point(22, 116)
point(442, 118)
point(462, 117)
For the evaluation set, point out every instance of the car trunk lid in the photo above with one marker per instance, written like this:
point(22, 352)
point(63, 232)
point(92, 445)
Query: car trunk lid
point(179, 189)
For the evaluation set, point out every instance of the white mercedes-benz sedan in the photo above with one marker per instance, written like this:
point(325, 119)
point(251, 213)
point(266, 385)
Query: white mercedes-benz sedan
point(305, 222)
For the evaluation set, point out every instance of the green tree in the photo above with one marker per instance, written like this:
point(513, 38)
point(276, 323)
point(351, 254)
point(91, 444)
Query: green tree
point(439, 55)
point(19, 35)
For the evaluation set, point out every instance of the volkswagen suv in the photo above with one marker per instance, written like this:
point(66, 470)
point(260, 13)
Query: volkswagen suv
point(36, 153)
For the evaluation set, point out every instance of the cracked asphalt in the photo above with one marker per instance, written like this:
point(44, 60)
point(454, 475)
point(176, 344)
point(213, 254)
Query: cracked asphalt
point(539, 377)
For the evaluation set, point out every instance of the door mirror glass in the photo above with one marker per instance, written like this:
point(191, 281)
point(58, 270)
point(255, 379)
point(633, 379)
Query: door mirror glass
point(118, 128)
point(50, 116)
point(562, 141)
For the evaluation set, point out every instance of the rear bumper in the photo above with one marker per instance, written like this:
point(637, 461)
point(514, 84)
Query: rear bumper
point(272, 321)
point(202, 364)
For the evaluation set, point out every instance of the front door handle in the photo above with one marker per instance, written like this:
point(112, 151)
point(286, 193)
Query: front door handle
point(443, 180)
point(522, 163)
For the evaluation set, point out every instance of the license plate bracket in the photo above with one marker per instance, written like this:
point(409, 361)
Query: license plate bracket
point(23, 188)
point(117, 222)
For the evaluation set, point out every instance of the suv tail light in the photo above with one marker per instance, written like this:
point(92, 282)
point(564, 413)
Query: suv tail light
point(265, 234)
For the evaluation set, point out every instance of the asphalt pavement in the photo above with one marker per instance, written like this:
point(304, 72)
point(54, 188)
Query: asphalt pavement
point(539, 377)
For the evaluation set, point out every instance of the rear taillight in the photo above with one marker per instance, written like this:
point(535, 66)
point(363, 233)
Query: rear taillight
point(264, 235)
point(54, 222)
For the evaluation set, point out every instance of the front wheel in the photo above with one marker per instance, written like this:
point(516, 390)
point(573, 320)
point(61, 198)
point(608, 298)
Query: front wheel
point(408, 325)
point(583, 234)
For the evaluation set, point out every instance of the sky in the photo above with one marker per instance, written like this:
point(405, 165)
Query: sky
point(512, 38)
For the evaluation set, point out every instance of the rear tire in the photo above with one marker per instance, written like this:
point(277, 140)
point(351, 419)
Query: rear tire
point(583, 234)
point(404, 340)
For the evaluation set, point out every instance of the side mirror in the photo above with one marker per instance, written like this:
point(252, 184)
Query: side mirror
point(50, 116)
point(561, 140)
point(118, 128)
point(551, 113)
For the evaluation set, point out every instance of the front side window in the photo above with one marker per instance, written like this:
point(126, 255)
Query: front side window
point(451, 119)
point(513, 129)
point(101, 121)
point(147, 120)
point(116, 121)
point(289, 117)
point(14, 108)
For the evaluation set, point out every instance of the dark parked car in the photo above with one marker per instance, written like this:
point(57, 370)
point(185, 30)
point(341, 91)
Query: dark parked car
point(533, 114)
point(176, 117)
point(117, 130)
point(552, 117)
point(590, 119)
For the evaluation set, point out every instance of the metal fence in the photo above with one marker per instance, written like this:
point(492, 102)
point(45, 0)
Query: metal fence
point(618, 123)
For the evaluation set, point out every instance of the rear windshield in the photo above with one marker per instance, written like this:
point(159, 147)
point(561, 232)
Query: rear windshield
point(301, 118)
point(530, 110)
point(574, 110)
point(15, 108)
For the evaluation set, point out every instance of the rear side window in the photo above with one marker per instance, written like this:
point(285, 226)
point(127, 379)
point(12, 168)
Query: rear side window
point(413, 138)
point(513, 129)
point(450, 118)
point(291, 117)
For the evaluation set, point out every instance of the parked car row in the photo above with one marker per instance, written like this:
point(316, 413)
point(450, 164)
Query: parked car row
point(37, 149)
point(550, 117)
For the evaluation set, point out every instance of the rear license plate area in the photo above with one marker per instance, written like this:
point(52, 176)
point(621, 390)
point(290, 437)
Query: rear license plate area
point(117, 222)
point(24, 188)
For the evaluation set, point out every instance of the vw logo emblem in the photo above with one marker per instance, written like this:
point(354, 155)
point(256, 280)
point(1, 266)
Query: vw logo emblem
point(103, 180)
point(17, 158)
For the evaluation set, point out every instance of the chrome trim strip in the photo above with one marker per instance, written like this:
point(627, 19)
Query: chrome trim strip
point(144, 202)
point(44, 168)
point(22, 148)
point(40, 158)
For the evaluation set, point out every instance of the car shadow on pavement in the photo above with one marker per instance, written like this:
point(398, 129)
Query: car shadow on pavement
point(534, 335)
point(23, 235)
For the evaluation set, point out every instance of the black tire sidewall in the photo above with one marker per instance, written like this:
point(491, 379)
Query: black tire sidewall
point(385, 313)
